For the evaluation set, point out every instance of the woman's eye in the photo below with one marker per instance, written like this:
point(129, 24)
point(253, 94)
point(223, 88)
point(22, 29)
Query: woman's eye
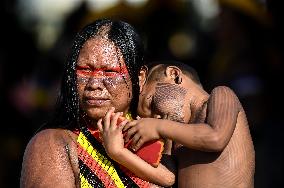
point(83, 68)
point(83, 71)
point(111, 71)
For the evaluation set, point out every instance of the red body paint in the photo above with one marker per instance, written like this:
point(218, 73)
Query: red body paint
point(87, 71)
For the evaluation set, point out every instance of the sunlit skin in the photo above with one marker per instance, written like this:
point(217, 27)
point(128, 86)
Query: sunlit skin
point(104, 87)
point(95, 81)
point(103, 82)
point(112, 136)
point(102, 78)
point(214, 146)
point(151, 105)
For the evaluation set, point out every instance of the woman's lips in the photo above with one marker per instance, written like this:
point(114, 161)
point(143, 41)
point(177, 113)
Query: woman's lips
point(97, 101)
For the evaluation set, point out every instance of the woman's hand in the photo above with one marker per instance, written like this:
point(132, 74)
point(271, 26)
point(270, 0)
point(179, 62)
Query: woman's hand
point(111, 133)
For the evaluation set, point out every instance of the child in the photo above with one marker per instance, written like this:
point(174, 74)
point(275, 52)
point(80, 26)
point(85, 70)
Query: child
point(210, 131)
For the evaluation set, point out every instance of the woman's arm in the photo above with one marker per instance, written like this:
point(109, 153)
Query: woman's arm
point(114, 145)
point(46, 162)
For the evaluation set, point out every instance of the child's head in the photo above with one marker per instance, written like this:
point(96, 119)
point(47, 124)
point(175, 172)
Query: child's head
point(157, 71)
point(164, 89)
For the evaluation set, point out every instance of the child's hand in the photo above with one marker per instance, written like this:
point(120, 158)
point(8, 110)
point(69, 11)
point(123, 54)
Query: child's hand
point(141, 131)
point(112, 133)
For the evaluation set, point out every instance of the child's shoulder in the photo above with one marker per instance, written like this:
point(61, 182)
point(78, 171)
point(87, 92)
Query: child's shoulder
point(223, 90)
point(224, 94)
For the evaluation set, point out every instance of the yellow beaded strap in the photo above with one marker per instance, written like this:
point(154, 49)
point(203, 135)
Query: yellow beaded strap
point(97, 169)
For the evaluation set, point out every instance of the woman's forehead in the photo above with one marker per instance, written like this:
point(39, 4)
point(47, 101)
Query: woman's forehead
point(101, 51)
point(100, 45)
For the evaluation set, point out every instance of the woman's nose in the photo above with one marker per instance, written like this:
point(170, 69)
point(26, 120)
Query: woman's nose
point(95, 83)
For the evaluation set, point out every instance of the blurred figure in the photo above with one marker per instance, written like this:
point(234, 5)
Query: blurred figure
point(17, 59)
point(240, 60)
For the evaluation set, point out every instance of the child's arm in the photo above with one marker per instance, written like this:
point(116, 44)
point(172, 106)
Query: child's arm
point(114, 145)
point(223, 109)
point(168, 160)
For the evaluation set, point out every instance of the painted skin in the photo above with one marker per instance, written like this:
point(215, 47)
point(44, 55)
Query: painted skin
point(213, 146)
point(103, 82)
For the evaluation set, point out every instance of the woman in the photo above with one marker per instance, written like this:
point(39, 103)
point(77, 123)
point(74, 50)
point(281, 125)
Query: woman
point(101, 73)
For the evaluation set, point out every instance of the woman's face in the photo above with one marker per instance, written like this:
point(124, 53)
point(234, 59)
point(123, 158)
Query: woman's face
point(103, 79)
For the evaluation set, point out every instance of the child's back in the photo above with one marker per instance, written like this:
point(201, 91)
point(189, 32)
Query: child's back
point(232, 167)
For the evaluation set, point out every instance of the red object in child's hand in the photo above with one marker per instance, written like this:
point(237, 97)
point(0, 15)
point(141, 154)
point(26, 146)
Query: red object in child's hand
point(151, 152)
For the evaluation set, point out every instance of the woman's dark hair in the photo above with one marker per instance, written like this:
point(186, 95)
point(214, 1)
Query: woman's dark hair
point(124, 36)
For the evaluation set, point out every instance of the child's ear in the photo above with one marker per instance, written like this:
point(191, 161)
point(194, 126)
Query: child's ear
point(143, 73)
point(174, 73)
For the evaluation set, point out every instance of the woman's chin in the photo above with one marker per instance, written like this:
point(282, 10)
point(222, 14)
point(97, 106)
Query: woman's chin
point(96, 114)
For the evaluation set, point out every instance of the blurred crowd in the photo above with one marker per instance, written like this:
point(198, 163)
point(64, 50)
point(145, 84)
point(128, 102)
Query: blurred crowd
point(238, 43)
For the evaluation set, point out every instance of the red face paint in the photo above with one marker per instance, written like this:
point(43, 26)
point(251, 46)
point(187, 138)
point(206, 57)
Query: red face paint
point(87, 71)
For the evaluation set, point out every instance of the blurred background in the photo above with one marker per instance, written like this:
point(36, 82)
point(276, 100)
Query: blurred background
point(238, 43)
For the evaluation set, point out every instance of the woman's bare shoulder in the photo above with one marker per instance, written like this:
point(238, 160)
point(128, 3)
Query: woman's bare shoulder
point(46, 159)
point(49, 136)
point(51, 140)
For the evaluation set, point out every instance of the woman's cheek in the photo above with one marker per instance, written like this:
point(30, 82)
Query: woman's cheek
point(82, 80)
point(118, 86)
point(81, 83)
point(121, 92)
point(114, 82)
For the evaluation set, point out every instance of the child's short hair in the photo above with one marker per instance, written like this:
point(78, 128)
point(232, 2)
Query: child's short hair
point(186, 69)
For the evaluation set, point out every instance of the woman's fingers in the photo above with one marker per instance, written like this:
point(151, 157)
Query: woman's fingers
point(114, 118)
point(122, 124)
point(107, 118)
point(100, 125)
